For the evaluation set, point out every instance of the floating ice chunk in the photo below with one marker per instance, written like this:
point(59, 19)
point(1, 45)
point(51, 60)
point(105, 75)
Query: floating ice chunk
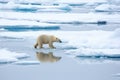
point(64, 46)
point(107, 8)
point(24, 25)
point(2, 29)
point(93, 52)
point(95, 59)
point(9, 56)
point(116, 2)
point(27, 63)
point(2, 1)
point(117, 75)
point(95, 55)
point(104, 7)
point(7, 6)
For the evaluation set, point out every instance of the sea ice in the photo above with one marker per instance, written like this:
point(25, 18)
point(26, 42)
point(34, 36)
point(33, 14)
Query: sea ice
point(7, 56)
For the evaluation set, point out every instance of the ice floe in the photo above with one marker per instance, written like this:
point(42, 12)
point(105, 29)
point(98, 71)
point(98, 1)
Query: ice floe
point(24, 25)
point(7, 56)
point(33, 8)
point(27, 62)
point(117, 75)
point(108, 8)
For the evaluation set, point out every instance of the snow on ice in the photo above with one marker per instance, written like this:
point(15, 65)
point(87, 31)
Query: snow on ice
point(108, 8)
point(61, 17)
point(27, 63)
point(7, 56)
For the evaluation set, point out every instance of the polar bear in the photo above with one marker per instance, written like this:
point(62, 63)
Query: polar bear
point(47, 57)
point(46, 39)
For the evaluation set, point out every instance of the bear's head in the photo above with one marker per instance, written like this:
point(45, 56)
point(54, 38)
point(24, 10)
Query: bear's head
point(55, 39)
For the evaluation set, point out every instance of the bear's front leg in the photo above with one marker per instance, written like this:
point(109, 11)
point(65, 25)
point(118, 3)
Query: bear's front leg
point(40, 45)
point(51, 45)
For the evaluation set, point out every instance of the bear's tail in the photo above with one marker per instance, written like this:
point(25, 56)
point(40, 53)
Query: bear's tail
point(35, 46)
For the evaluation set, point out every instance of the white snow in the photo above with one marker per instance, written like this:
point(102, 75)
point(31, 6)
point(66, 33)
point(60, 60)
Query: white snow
point(97, 43)
point(61, 17)
point(8, 22)
point(108, 7)
point(10, 56)
point(116, 2)
point(94, 51)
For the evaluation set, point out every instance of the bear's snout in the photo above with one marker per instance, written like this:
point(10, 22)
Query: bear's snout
point(60, 41)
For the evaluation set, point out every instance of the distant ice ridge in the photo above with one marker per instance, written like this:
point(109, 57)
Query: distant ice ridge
point(108, 8)
point(7, 56)
point(115, 2)
point(29, 23)
point(34, 8)
point(57, 18)
point(54, 1)
point(81, 1)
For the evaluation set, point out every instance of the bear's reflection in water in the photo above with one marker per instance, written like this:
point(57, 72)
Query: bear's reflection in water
point(47, 57)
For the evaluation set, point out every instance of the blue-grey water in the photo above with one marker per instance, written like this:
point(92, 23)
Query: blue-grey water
point(63, 67)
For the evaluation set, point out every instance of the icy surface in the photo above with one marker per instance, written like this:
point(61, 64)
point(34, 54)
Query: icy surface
point(63, 17)
point(7, 56)
point(5, 22)
point(88, 43)
point(108, 8)
point(11, 6)
point(27, 62)
point(117, 75)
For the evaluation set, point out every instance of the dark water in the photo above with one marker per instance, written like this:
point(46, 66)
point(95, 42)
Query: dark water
point(29, 28)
